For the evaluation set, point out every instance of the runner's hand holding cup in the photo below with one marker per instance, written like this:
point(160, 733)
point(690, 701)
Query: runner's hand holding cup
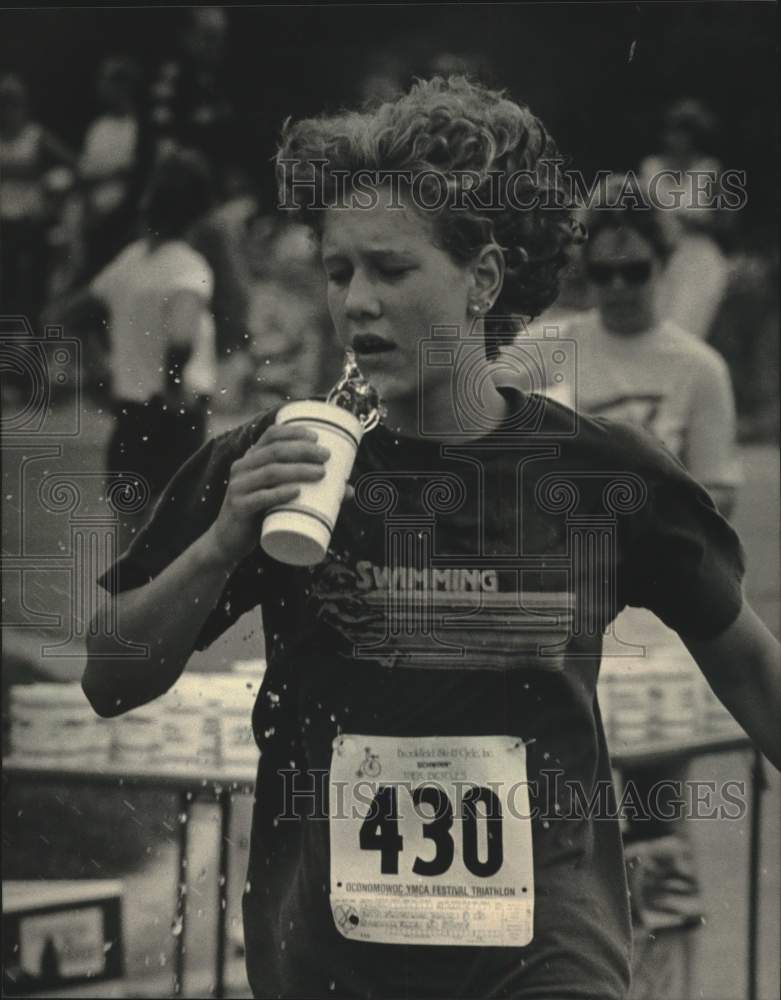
point(296, 475)
point(298, 531)
point(268, 474)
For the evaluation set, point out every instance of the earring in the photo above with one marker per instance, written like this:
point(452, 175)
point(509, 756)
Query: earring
point(475, 308)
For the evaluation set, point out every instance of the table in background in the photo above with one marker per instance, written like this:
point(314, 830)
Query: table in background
point(219, 784)
point(649, 754)
point(189, 784)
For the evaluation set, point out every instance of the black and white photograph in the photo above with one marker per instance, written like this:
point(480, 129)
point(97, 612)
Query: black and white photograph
point(390, 501)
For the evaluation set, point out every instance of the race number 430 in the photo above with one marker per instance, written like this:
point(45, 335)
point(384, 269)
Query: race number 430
point(380, 830)
point(430, 840)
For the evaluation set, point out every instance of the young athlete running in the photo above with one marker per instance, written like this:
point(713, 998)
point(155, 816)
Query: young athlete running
point(433, 813)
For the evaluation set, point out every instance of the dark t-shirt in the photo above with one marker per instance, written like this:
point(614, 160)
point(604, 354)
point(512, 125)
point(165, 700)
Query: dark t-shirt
point(434, 813)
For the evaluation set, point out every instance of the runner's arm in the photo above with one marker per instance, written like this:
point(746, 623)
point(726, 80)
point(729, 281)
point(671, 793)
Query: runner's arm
point(743, 666)
point(167, 613)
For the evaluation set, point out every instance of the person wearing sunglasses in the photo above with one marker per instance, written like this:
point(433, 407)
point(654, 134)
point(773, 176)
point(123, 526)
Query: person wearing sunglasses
point(638, 367)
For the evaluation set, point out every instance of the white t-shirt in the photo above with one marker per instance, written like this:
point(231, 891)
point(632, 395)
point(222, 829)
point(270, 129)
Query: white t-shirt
point(21, 197)
point(109, 146)
point(664, 380)
point(137, 287)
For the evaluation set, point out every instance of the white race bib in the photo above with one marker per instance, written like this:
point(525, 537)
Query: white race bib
point(431, 840)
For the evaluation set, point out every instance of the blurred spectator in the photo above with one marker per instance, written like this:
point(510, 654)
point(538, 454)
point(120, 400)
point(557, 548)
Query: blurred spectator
point(291, 336)
point(222, 239)
point(291, 348)
point(190, 102)
point(65, 234)
point(685, 176)
point(114, 159)
point(161, 331)
point(745, 333)
point(27, 152)
point(635, 366)
point(631, 364)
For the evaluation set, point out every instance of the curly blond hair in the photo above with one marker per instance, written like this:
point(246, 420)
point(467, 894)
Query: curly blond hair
point(458, 136)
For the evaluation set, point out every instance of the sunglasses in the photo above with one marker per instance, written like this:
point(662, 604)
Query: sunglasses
point(633, 273)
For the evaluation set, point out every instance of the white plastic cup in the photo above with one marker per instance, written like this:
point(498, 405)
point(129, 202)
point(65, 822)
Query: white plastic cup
point(299, 532)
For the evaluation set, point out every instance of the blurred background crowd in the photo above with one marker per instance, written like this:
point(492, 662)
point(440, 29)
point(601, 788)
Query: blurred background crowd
point(92, 101)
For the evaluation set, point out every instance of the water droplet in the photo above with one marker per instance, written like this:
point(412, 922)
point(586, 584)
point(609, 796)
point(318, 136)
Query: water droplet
point(177, 926)
point(223, 391)
point(332, 985)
